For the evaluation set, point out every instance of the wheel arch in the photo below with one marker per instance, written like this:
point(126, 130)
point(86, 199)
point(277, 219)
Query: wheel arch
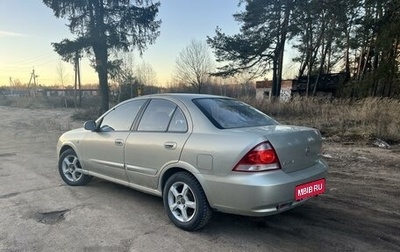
point(167, 174)
point(175, 169)
point(64, 148)
point(67, 146)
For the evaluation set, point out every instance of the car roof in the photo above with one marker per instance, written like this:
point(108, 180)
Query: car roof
point(185, 97)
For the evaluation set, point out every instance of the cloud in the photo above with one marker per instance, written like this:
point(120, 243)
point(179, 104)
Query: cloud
point(11, 34)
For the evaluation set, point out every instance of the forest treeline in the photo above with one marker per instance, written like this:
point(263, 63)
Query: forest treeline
point(357, 37)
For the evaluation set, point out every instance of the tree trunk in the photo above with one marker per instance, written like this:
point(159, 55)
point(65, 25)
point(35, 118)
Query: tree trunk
point(347, 56)
point(320, 71)
point(324, 52)
point(279, 51)
point(103, 82)
point(101, 56)
point(274, 92)
point(281, 47)
point(303, 65)
point(96, 9)
point(394, 66)
point(308, 78)
point(360, 64)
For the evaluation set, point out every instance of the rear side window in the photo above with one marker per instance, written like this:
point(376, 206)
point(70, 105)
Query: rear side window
point(157, 116)
point(178, 123)
point(163, 116)
point(227, 113)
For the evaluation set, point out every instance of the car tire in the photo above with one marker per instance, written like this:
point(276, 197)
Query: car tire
point(70, 169)
point(185, 202)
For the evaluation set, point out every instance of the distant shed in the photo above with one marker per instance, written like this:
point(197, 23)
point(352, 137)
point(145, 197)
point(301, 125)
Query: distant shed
point(328, 84)
point(264, 89)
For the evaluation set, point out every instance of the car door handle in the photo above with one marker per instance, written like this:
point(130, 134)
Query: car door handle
point(170, 145)
point(119, 142)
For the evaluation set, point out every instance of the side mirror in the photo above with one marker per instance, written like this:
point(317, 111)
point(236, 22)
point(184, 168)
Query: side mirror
point(90, 125)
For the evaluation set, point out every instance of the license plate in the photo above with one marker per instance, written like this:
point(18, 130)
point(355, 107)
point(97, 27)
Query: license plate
point(310, 189)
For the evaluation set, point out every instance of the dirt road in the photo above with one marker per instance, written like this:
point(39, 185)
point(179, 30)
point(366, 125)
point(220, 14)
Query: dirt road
point(38, 212)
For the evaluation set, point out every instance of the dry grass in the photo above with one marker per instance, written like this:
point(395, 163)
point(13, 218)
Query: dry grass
point(340, 119)
point(50, 124)
point(47, 102)
point(86, 114)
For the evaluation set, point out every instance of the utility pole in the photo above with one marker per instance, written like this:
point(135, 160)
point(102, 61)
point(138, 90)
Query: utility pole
point(11, 85)
point(34, 78)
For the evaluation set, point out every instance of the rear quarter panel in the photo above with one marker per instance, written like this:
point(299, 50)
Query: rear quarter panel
point(217, 152)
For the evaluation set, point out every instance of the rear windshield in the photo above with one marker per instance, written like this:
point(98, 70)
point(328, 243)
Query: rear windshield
point(227, 113)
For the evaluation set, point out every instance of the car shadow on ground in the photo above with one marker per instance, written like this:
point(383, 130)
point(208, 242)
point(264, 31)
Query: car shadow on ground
point(316, 222)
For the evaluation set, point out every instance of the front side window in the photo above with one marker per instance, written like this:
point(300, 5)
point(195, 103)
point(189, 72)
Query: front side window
point(121, 117)
point(229, 113)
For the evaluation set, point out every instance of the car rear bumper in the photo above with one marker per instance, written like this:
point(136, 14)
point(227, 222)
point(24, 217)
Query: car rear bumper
point(259, 194)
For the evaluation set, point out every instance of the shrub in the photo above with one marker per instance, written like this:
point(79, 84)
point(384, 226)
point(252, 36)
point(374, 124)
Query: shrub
point(86, 114)
point(342, 119)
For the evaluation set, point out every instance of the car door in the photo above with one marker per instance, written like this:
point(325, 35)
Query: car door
point(103, 151)
point(157, 141)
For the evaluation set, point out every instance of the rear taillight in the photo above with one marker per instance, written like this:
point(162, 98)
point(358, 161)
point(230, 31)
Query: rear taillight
point(261, 158)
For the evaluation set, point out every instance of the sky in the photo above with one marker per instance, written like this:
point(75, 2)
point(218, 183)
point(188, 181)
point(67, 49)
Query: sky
point(28, 27)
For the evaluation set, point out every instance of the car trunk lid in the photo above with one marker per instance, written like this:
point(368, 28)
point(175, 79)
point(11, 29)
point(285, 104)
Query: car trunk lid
point(297, 147)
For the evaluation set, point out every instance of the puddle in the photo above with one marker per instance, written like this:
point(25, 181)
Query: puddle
point(50, 217)
point(7, 154)
point(10, 195)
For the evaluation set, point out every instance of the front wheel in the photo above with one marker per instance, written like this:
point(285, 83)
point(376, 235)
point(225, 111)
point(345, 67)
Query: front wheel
point(185, 202)
point(70, 169)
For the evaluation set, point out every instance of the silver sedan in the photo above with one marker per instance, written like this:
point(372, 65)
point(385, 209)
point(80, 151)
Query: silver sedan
point(200, 153)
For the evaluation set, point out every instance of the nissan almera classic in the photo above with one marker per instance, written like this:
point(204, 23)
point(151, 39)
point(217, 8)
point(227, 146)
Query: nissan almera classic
point(200, 153)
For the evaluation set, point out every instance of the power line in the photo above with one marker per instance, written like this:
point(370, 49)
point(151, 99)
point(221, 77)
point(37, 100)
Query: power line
point(32, 59)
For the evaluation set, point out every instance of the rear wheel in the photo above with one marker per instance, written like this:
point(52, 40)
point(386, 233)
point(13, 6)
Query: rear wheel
point(185, 202)
point(70, 169)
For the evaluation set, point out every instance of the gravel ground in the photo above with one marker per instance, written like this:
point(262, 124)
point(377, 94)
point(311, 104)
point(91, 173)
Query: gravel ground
point(38, 212)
